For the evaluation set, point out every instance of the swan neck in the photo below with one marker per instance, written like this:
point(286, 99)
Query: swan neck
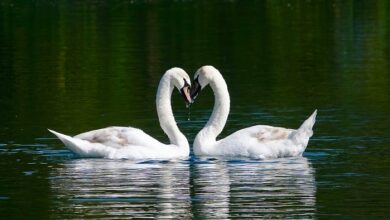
point(220, 113)
point(165, 113)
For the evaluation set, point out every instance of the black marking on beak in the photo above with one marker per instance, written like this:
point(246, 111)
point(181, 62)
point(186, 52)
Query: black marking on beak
point(195, 89)
point(186, 93)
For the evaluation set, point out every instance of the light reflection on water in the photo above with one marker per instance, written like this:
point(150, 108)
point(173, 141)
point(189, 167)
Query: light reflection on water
point(98, 187)
point(184, 189)
point(78, 66)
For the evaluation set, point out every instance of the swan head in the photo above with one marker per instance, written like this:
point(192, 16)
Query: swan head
point(182, 82)
point(202, 78)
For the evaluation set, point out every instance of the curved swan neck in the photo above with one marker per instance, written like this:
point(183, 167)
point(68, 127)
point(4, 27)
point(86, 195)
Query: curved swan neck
point(220, 113)
point(165, 114)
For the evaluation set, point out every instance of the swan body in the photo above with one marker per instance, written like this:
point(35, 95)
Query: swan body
point(133, 143)
point(258, 142)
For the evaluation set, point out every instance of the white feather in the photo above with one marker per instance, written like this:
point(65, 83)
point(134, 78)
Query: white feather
point(260, 141)
point(133, 143)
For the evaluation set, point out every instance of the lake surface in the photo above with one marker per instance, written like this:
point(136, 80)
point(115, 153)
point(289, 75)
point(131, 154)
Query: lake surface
point(76, 66)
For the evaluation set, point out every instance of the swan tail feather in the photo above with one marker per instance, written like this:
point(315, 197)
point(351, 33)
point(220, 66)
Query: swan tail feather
point(80, 147)
point(302, 135)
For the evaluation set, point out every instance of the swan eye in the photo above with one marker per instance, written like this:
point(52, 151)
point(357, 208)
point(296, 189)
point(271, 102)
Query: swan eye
point(186, 92)
point(196, 88)
point(186, 84)
point(196, 80)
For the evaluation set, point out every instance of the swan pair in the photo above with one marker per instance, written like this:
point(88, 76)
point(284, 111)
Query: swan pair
point(257, 142)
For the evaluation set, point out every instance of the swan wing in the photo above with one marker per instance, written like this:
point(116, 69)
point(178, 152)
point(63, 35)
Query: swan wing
point(260, 134)
point(118, 137)
point(260, 141)
point(83, 148)
point(87, 148)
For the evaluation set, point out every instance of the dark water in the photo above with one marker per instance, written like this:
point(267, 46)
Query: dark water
point(75, 66)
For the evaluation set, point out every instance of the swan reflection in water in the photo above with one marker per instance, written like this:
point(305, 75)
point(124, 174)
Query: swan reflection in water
point(256, 189)
point(116, 189)
point(212, 189)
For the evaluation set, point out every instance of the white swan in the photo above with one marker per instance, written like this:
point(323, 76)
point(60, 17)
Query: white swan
point(133, 143)
point(259, 142)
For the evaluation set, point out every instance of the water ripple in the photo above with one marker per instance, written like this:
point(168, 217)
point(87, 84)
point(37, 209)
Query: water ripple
point(215, 188)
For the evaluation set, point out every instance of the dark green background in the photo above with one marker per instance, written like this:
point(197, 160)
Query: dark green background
point(74, 66)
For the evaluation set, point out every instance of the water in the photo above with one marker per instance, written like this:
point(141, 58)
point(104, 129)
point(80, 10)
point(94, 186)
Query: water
point(215, 189)
point(76, 66)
